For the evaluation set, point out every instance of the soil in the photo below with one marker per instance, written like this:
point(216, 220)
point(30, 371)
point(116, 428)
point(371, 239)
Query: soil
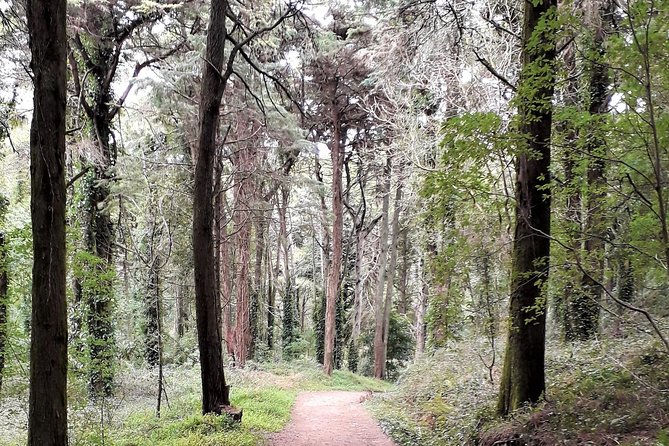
point(331, 419)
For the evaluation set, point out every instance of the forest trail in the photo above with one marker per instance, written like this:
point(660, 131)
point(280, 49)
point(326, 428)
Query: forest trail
point(335, 418)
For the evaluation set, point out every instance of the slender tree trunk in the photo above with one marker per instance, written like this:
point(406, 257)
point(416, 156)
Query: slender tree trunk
point(587, 303)
point(151, 334)
point(403, 306)
point(225, 277)
point(215, 392)
point(573, 204)
point(243, 221)
point(523, 378)
point(334, 272)
point(47, 415)
point(421, 309)
point(390, 276)
point(4, 282)
point(379, 305)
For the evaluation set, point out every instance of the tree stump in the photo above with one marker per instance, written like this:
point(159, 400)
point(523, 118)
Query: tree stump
point(233, 413)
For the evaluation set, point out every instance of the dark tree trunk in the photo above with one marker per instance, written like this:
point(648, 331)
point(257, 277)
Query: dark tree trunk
point(152, 314)
point(215, 392)
point(47, 419)
point(523, 379)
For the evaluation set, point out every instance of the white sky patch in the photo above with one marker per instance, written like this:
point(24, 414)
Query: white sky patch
point(617, 103)
point(466, 76)
point(320, 13)
point(322, 150)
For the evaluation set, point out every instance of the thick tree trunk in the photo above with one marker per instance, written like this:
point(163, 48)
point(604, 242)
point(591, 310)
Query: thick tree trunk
point(334, 270)
point(523, 378)
point(215, 392)
point(379, 304)
point(47, 416)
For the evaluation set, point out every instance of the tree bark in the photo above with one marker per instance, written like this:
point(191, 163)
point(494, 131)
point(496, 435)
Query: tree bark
point(390, 276)
point(335, 264)
point(379, 305)
point(47, 418)
point(243, 221)
point(215, 392)
point(587, 303)
point(4, 282)
point(421, 309)
point(523, 378)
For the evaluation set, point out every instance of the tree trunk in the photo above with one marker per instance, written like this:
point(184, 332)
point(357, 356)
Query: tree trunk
point(215, 392)
point(47, 419)
point(335, 264)
point(225, 276)
point(3, 296)
point(587, 302)
point(390, 276)
point(151, 312)
point(403, 306)
point(421, 309)
point(379, 305)
point(243, 221)
point(523, 377)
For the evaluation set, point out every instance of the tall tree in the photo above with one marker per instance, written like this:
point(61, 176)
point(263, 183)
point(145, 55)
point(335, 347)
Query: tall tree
point(523, 378)
point(47, 419)
point(3, 288)
point(100, 37)
point(215, 392)
point(586, 304)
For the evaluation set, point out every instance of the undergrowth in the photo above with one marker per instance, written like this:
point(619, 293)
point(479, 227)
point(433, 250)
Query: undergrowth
point(265, 393)
point(598, 393)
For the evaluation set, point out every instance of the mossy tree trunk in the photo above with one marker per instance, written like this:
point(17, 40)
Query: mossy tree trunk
point(523, 379)
point(587, 302)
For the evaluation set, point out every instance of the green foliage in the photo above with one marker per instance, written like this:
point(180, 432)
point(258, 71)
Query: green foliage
point(353, 356)
point(319, 326)
point(600, 393)
point(288, 335)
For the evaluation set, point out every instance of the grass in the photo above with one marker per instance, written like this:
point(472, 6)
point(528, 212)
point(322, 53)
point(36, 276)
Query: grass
point(265, 392)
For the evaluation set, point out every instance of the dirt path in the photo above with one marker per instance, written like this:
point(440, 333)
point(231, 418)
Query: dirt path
point(331, 419)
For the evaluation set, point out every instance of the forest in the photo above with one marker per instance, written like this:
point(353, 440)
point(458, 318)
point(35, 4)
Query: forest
point(453, 213)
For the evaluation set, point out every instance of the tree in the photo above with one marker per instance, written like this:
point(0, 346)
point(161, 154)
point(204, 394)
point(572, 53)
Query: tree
point(100, 37)
point(47, 422)
point(215, 391)
point(523, 378)
point(3, 287)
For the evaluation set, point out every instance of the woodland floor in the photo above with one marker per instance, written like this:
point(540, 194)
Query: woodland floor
point(331, 418)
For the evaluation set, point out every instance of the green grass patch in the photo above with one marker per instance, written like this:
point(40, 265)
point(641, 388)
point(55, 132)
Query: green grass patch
point(265, 410)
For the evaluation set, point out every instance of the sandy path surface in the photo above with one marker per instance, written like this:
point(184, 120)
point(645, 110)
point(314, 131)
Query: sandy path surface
point(330, 419)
